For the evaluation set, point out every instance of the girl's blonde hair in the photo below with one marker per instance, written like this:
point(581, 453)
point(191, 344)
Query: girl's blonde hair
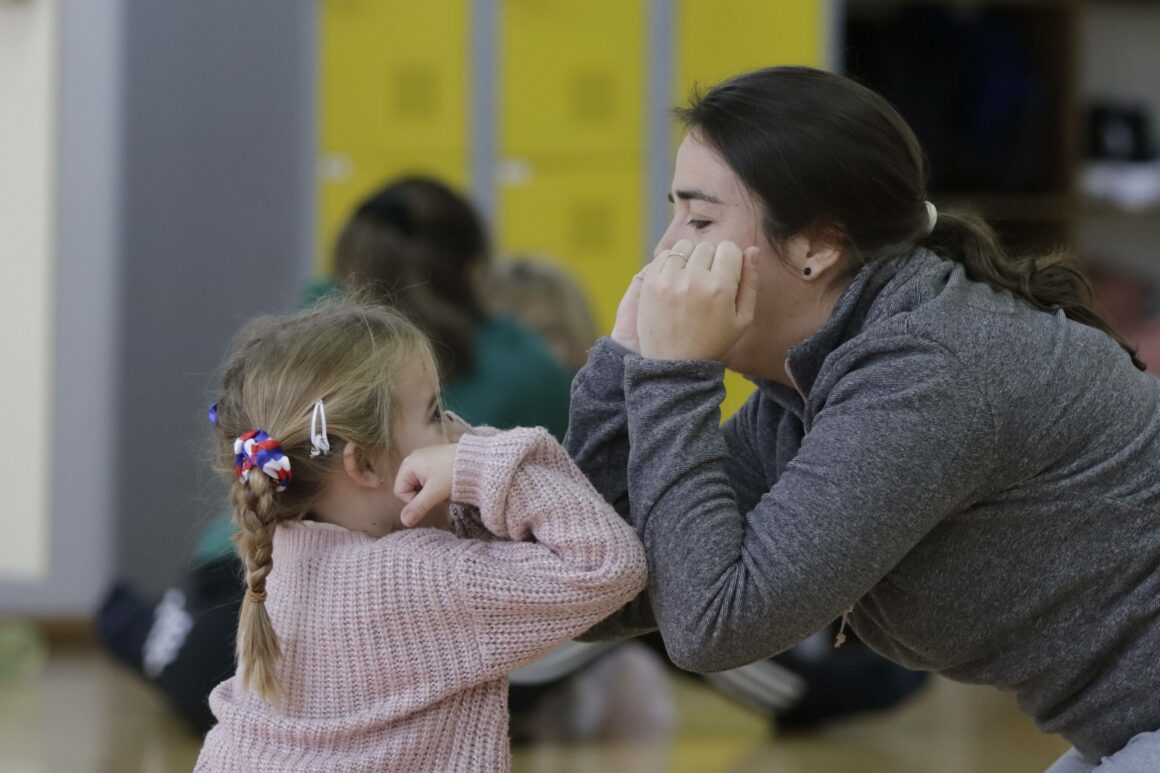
point(349, 356)
point(549, 301)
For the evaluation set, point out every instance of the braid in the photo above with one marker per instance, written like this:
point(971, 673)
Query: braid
point(255, 515)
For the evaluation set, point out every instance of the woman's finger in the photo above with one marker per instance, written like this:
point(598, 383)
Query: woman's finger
point(677, 255)
point(727, 264)
point(747, 289)
point(683, 246)
point(702, 257)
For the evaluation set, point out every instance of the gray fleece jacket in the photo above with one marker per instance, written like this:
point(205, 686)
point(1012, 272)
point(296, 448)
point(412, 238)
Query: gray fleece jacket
point(979, 481)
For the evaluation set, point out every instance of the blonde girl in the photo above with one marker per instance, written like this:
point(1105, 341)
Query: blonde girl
point(363, 643)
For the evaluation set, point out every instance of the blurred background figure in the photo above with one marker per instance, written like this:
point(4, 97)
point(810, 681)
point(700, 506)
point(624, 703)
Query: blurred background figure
point(548, 300)
point(419, 246)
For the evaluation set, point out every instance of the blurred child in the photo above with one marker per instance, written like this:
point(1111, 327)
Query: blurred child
point(365, 643)
point(547, 300)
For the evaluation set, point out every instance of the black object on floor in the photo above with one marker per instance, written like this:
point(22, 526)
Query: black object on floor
point(185, 643)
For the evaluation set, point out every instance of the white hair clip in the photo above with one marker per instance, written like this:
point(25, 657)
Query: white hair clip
point(931, 217)
point(320, 444)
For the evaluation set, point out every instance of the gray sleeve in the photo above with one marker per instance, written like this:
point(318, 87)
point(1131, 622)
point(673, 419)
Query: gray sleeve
point(743, 457)
point(597, 441)
point(597, 438)
point(898, 445)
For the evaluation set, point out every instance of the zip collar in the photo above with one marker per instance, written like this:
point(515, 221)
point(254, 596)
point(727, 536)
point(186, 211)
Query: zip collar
point(865, 300)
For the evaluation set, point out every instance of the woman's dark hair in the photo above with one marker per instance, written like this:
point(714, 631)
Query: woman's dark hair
point(414, 245)
point(823, 152)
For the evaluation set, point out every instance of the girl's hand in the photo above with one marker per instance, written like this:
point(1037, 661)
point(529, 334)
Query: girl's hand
point(697, 309)
point(624, 330)
point(424, 480)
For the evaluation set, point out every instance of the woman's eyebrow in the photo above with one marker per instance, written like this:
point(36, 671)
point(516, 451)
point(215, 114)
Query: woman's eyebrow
point(695, 195)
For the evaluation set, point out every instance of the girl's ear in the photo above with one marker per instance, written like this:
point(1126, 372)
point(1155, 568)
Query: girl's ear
point(358, 468)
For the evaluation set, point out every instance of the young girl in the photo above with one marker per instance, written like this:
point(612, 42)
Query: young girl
point(364, 644)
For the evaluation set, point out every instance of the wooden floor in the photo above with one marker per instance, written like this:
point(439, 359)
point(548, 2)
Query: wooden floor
point(83, 714)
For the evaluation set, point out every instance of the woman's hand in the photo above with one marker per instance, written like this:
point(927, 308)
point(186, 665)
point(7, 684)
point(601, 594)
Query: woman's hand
point(624, 330)
point(424, 480)
point(696, 308)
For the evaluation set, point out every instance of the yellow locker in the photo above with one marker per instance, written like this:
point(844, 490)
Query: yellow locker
point(572, 77)
point(587, 218)
point(571, 135)
point(393, 99)
point(720, 38)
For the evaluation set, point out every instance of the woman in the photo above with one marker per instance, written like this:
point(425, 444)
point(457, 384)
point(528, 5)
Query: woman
point(947, 447)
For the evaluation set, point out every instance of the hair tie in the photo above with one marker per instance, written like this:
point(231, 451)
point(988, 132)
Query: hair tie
point(255, 598)
point(213, 409)
point(931, 218)
point(319, 442)
point(257, 450)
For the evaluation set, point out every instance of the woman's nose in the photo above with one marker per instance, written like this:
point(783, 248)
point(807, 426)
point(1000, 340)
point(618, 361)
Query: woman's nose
point(667, 240)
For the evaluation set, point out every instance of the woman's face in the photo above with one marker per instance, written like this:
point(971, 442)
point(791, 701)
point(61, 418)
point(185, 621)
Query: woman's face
point(711, 203)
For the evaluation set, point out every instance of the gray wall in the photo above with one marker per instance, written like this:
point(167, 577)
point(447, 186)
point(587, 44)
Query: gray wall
point(217, 206)
point(186, 147)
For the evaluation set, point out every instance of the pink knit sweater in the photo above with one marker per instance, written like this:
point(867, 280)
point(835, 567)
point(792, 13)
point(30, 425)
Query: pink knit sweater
point(396, 650)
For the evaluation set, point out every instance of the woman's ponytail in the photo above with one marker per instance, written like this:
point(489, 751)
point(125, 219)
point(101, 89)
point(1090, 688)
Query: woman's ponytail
point(1049, 282)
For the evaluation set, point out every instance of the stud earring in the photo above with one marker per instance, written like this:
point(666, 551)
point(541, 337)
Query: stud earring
point(807, 271)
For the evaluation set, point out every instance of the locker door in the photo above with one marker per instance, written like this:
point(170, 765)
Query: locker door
point(393, 86)
point(571, 139)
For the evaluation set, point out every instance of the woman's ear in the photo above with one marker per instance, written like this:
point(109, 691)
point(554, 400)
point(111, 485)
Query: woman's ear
point(358, 468)
point(818, 252)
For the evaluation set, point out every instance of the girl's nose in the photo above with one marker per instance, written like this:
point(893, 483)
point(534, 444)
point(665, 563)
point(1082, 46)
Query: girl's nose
point(453, 427)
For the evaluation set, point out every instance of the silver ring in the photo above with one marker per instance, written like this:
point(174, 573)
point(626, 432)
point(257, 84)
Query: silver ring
point(679, 254)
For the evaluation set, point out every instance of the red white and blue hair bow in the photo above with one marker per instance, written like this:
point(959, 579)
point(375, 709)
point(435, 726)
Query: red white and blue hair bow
point(255, 450)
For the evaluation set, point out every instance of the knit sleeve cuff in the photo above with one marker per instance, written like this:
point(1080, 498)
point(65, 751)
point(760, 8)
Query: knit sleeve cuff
point(470, 470)
point(485, 466)
point(603, 375)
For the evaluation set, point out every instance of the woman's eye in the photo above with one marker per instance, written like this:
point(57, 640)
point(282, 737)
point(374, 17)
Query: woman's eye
point(700, 225)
